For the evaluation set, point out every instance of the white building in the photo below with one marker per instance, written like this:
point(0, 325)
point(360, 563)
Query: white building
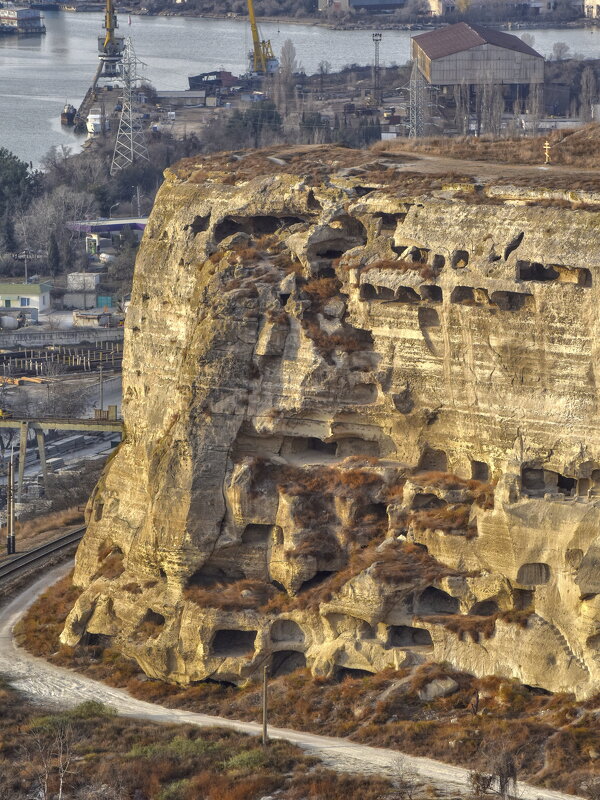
point(25, 295)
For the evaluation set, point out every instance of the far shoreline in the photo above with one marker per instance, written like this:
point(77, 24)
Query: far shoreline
point(368, 25)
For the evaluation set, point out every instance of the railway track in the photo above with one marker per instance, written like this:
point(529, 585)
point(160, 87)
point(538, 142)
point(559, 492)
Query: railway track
point(20, 563)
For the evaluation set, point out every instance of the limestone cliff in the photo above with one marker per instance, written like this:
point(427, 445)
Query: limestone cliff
point(361, 428)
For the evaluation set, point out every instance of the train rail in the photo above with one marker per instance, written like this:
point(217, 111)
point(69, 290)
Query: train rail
point(20, 563)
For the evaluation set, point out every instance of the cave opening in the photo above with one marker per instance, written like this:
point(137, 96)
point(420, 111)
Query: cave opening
point(316, 580)
point(406, 636)
point(431, 292)
point(434, 460)
point(286, 630)
point(484, 608)
point(348, 673)
point(284, 662)
point(480, 471)
point(258, 534)
point(435, 601)
point(534, 271)
point(232, 642)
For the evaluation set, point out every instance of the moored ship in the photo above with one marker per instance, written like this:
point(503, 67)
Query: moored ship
point(68, 114)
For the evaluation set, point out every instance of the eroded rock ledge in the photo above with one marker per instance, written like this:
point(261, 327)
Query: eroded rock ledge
point(361, 414)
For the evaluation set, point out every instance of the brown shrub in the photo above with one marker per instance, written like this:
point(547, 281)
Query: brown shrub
point(464, 625)
point(238, 596)
point(320, 290)
point(350, 340)
point(111, 566)
point(453, 517)
point(49, 522)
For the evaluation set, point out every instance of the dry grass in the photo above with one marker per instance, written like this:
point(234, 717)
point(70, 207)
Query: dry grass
point(320, 290)
point(238, 596)
point(49, 522)
point(350, 340)
point(478, 492)
point(111, 565)
point(452, 518)
point(577, 148)
point(554, 739)
point(122, 758)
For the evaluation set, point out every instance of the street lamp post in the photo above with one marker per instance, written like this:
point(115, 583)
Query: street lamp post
point(114, 205)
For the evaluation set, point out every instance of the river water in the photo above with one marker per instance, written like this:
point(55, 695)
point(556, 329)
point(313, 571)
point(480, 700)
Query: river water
point(37, 74)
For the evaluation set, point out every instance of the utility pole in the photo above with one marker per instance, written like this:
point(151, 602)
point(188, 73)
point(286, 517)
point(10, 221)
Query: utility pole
point(10, 510)
point(377, 37)
point(265, 736)
point(101, 389)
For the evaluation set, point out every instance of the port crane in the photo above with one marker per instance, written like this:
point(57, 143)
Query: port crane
point(262, 58)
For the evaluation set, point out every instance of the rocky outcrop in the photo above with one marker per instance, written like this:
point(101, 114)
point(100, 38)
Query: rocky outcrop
point(361, 429)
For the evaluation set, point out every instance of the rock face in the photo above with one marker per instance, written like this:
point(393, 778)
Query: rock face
point(361, 429)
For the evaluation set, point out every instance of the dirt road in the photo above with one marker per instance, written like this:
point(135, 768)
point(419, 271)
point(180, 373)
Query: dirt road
point(55, 685)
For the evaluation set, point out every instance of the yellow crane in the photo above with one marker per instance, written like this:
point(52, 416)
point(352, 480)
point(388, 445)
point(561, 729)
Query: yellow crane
point(110, 24)
point(262, 58)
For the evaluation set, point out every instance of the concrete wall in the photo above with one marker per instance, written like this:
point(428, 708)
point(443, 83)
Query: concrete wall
point(31, 338)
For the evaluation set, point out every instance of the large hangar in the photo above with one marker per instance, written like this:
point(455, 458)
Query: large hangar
point(484, 71)
point(471, 54)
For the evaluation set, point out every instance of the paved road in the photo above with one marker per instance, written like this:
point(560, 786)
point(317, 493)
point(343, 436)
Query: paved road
point(56, 685)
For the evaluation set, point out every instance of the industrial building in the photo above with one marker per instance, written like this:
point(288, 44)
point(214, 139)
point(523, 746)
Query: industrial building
point(466, 53)
point(482, 70)
point(21, 20)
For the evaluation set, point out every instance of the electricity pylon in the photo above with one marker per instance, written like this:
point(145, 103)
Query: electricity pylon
point(130, 144)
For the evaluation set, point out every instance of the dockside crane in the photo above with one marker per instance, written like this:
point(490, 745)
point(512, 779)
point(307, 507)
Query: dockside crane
point(262, 58)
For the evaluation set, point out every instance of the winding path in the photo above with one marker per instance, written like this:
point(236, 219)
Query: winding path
point(51, 684)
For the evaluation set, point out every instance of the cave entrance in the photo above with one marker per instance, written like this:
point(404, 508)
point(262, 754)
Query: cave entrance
point(254, 226)
point(432, 293)
point(348, 673)
point(433, 460)
point(260, 534)
point(484, 608)
point(317, 579)
point(480, 471)
point(405, 636)
point(284, 662)
point(209, 574)
point(533, 271)
point(533, 574)
point(435, 601)
point(231, 642)
point(286, 630)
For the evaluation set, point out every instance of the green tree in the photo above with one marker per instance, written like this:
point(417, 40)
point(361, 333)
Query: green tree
point(7, 234)
point(53, 255)
point(18, 184)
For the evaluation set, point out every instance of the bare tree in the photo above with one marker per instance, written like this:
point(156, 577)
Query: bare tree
point(405, 781)
point(501, 776)
point(560, 51)
point(49, 751)
point(461, 99)
point(588, 93)
point(528, 38)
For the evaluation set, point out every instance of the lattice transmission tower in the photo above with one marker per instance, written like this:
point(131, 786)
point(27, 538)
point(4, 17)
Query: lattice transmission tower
point(417, 102)
point(130, 144)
